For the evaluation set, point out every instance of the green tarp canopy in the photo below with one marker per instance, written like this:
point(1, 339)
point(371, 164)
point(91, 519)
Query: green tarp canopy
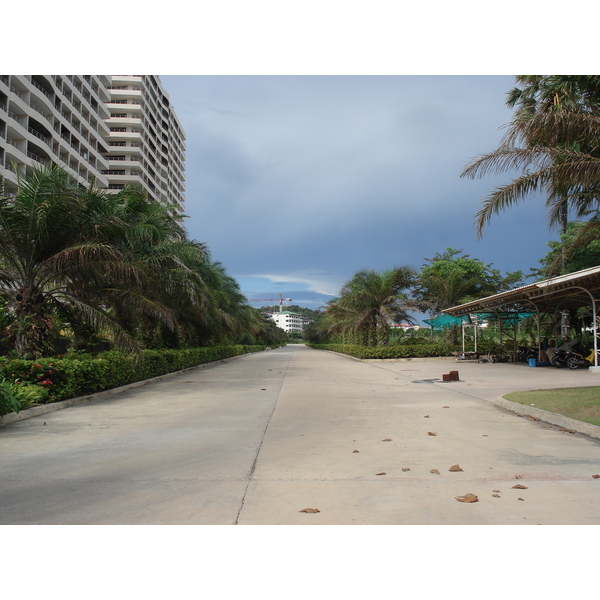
point(446, 321)
point(513, 317)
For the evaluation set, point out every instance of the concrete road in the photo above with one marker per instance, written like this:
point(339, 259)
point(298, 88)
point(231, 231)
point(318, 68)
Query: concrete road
point(259, 438)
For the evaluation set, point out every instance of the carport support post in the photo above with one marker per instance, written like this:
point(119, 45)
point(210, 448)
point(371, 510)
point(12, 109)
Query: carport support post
point(539, 335)
point(500, 324)
point(594, 327)
point(538, 319)
point(595, 334)
point(539, 329)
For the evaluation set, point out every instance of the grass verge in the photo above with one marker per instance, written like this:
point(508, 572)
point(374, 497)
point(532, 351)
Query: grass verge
point(582, 404)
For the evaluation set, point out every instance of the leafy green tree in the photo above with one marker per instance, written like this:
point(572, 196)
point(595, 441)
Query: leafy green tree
point(319, 331)
point(581, 246)
point(451, 278)
point(369, 303)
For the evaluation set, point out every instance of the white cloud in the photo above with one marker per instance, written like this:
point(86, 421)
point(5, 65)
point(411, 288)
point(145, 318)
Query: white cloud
point(325, 284)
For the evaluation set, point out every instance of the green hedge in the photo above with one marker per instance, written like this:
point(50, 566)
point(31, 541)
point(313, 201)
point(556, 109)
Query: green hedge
point(79, 375)
point(397, 351)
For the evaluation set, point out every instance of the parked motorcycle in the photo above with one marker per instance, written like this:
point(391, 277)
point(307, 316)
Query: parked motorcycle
point(556, 358)
point(525, 353)
point(582, 358)
point(570, 354)
point(591, 356)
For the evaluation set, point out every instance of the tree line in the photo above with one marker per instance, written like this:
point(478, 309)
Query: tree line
point(370, 302)
point(84, 264)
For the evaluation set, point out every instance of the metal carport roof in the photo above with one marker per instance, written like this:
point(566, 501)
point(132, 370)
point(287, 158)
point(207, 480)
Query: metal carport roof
point(566, 292)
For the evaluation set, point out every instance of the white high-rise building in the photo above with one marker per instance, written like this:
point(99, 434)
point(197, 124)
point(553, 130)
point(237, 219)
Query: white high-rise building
point(57, 119)
point(118, 129)
point(146, 141)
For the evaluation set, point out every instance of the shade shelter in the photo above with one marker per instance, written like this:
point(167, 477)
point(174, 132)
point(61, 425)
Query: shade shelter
point(446, 321)
point(566, 292)
point(508, 322)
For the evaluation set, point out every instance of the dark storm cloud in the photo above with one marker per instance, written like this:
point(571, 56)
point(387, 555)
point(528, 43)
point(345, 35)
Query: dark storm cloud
point(298, 182)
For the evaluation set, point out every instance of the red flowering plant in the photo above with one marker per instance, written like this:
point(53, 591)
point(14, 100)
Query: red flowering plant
point(46, 373)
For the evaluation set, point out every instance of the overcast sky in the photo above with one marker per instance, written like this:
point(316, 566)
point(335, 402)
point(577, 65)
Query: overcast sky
point(297, 182)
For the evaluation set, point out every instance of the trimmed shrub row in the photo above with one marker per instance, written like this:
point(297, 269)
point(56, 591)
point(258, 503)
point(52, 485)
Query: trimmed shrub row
point(399, 351)
point(80, 375)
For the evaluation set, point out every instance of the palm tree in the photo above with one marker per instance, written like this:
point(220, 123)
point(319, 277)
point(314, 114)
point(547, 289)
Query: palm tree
point(173, 267)
point(223, 312)
point(42, 253)
point(204, 302)
point(552, 94)
point(339, 322)
point(262, 328)
point(553, 141)
point(546, 93)
point(370, 302)
point(64, 255)
point(115, 265)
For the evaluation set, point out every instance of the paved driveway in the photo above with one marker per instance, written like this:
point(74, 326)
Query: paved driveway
point(259, 438)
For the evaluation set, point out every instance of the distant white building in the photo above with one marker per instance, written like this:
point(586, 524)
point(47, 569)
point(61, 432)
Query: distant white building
point(291, 322)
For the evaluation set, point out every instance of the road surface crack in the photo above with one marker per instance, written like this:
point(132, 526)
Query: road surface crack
point(262, 439)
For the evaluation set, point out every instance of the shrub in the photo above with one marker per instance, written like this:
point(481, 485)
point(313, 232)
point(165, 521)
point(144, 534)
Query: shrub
point(396, 351)
point(16, 396)
point(8, 400)
point(79, 374)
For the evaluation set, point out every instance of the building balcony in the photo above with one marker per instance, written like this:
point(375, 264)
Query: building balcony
point(124, 135)
point(123, 163)
point(40, 136)
point(117, 92)
point(123, 179)
point(129, 120)
point(41, 89)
